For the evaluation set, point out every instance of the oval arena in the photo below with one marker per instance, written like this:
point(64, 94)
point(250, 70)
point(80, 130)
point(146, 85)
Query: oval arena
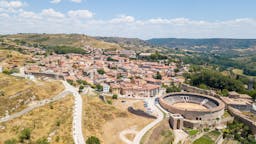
point(193, 106)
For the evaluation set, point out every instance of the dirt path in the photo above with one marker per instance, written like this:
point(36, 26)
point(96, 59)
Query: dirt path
point(123, 134)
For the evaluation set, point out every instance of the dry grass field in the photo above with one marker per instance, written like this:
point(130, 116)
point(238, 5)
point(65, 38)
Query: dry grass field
point(190, 106)
point(12, 58)
point(16, 93)
point(107, 121)
point(52, 121)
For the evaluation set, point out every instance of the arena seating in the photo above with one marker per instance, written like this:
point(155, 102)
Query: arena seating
point(191, 99)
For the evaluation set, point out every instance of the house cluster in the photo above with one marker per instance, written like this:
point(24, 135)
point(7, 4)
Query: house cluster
point(118, 72)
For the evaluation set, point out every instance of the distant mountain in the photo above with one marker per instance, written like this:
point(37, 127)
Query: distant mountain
point(129, 43)
point(216, 43)
point(124, 41)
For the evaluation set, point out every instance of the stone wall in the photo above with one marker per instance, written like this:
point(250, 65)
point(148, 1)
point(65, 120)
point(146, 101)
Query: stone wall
point(193, 89)
point(241, 117)
point(54, 76)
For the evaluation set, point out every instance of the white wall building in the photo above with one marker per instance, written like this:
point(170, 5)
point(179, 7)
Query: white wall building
point(106, 88)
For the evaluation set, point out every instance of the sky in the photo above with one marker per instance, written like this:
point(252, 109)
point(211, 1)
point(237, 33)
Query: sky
point(143, 19)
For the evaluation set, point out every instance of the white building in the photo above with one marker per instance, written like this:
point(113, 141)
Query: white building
point(106, 88)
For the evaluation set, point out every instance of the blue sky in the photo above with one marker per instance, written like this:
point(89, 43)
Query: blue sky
point(144, 9)
point(132, 18)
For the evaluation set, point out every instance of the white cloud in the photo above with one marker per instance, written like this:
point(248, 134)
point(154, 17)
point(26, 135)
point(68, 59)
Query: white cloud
point(4, 15)
point(82, 21)
point(80, 14)
point(77, 1)
point(52, 13)
point(123, 19)
point(11, 4)
point(55, 1)
point(26, 14)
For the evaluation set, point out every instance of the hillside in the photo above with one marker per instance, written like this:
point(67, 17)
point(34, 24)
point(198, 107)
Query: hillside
point(17, 93)
point(52, 122)
point(51, 40)
point(130, 43)
point(217, 43)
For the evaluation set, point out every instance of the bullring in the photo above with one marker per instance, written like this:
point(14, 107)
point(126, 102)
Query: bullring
point(193, 106)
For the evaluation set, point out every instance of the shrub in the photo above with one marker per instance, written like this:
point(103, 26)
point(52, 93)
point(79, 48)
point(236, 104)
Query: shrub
point(11, 141)
point(92, 140)
point(109, 102)
point(58, 123)
point(42, 141)
point(25, 134)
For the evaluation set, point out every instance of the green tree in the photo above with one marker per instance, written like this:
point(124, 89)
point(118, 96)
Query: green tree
point(176, 70)
point(92, 140)
point(101, 71)
point(114, 96)
point(99, 87)
point(203, 86)
point(224, 92)
point(158, 76)
point(81, 87)
point(172, 88)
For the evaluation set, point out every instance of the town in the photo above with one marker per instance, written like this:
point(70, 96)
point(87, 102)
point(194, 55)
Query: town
point(118, 72)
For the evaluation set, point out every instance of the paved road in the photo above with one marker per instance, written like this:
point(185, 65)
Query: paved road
point(77, 114)
point(160, 116)
point(36, 105)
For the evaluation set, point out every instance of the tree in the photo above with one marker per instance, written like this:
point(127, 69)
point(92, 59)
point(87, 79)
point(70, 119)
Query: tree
point(99, 87)
point(203, 86)
point(92, 140)
point(224, 92)
point(11, 141)
point(176, 70)
point(114, 96)
point(158, 76)
point(81, 88)
point(110, 59)
point(172, 89)
point(25, 134)
point(101, 71)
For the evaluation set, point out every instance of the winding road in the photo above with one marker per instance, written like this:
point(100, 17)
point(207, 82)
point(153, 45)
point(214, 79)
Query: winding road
point(34, 106)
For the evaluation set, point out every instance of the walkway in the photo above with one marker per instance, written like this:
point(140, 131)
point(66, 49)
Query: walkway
point(160, 116)
point(77, 114)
